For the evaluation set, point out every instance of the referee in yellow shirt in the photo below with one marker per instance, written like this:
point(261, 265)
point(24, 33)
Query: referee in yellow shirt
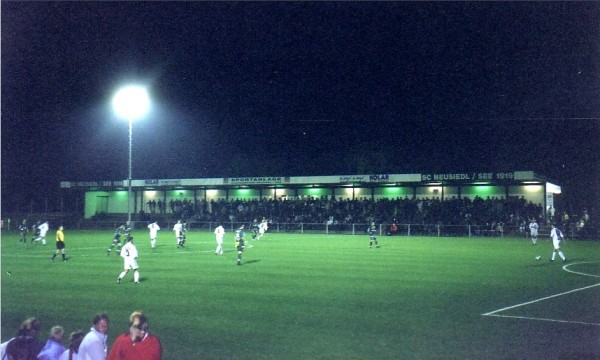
point(60, 244)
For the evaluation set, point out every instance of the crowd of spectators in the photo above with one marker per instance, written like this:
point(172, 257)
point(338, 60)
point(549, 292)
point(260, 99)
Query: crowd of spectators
point(137, 343)
point(493, 214)
point(454, 211)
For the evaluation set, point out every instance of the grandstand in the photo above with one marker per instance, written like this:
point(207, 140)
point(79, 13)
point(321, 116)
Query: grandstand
point(446, 204)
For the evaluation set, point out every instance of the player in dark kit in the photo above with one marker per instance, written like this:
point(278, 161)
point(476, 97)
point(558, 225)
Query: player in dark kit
point(116, 242)
point(183, 232)
point(127, 231)
point(254, 228)
point(372, 230)
point(23, 231)
point(35, 229)
point(239, 243)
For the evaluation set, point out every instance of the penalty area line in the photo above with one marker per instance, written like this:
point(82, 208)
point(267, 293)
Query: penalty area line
point(543, 319)
point(492, 313)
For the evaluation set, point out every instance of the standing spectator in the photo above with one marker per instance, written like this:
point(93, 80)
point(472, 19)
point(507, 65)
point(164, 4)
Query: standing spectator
point(557, 238)
point(219, 236)
point(93, 345)
point(137, 343)
point(372, 230)
point(25, 344)
point(239, 243)
point(53, 347)
point(129, 254)
point(60, 244)
point(393, 229)
point(551, 211)
point(23, 232)
point(72, 352)
point(533, 230)
point(153, 228)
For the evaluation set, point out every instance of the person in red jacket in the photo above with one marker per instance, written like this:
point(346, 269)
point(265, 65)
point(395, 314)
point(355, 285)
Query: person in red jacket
point(137, 343)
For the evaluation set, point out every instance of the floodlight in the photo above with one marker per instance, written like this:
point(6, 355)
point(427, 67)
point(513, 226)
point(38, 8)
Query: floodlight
point(131, 102)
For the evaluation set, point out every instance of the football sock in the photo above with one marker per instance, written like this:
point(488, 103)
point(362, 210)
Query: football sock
point(562, 256)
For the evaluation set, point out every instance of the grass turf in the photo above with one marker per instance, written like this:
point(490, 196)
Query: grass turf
point(319, 296)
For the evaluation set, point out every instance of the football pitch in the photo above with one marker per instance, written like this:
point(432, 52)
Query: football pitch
point(319, 296)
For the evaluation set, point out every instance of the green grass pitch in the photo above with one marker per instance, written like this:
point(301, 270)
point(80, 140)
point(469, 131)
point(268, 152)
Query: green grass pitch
point(319, 296)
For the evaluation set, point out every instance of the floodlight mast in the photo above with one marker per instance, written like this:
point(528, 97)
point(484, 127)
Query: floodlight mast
point(131, 103)
point(130, 120)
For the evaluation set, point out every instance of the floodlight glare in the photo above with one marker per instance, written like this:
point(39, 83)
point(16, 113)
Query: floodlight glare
point(131, 102)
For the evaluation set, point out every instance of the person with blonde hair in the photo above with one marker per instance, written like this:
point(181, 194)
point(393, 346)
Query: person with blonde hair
point(53, 347)
point(137, 343)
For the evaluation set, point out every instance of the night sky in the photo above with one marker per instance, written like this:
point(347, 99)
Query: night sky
point(299, 88)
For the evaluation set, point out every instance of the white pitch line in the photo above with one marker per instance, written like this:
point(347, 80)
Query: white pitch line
point(544, 319)
point(565, 268)
point(492, 313)
point(538, 300)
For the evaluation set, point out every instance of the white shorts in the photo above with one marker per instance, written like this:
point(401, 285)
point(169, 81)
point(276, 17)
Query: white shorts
point(131, 264)
point(556, 244)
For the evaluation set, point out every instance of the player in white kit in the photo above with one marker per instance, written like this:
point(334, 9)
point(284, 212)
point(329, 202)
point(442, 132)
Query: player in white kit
point(129, 254)
point(219, 236)
point(533, 230)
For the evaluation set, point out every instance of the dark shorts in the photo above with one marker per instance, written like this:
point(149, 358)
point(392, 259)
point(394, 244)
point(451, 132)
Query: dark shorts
point(60, 245)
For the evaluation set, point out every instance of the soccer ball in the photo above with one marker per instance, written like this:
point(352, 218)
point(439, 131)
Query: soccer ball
point(538, 258)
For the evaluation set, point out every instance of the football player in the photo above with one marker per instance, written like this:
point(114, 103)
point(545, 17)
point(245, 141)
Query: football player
point(239, 243)
point(116, 242)
point(372, 230)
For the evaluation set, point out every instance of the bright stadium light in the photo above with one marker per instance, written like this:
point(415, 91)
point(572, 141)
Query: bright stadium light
point(131, 103)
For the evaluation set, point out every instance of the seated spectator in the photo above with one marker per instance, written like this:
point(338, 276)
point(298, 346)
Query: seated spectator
point(53, 347)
